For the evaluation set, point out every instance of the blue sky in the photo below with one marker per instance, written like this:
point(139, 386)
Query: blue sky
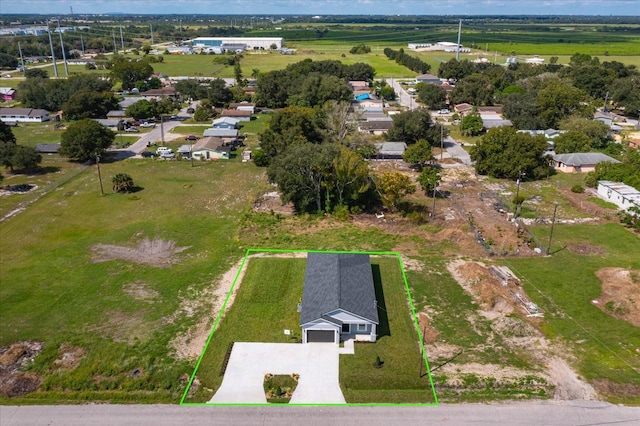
point(327, 7)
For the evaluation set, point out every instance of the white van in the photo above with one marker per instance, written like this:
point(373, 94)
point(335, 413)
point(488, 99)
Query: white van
point(163, 149)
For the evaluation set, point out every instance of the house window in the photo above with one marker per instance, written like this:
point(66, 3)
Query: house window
point(346, 328)
point(362, 327)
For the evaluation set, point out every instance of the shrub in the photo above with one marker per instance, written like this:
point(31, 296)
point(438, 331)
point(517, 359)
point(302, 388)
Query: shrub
point(578, 189)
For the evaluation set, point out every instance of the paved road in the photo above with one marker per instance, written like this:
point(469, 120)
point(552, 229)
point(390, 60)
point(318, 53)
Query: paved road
point(514, 414)
point(456, 151)
point(403, 97)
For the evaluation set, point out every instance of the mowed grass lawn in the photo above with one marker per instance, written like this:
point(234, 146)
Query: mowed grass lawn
point(122, 314)
point(266, 304)
point(564, 286)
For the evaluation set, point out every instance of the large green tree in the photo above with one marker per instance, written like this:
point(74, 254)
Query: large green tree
point(559, 100)
point(411, 126)
point(392, 187)
point(431, 96)
point(85, 139)
point(349, 178)
point(572, 141)
point(130, 72)
point(471, 124)
point(419, 154)
point(475, 89)
point(595, 130)
point(89, 104)
point(504, 153)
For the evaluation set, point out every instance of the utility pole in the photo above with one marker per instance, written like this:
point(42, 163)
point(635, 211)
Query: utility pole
point(115, 46)
point(53, 56)
point(517, 200)
point(605, 101)
point(151, 31)
point(162, 128)
point(121, 39)
point(441, 141)
point(21, 57)
point(99, 175)
point(64, 55)
point(553, 221)
point(458, 47)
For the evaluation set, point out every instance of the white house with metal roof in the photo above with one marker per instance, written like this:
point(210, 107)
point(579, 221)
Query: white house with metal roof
point(339, 299)
point(623, 196)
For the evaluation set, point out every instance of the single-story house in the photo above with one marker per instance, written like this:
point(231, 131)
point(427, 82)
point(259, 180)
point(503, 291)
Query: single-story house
point(161, 92)
point(185, 150)
point(359, 85)
point(375, 127)
point(428, 79)
point(23, 115)
point(580, 162)
point(7, 93)
point(338, 299)
point(492, 119)
point(47, 148)
point(243, 106)
point(209, 149)
point(111, 123)
point(225, 123)
point(221, 133)
point(390, 150)
point(237, 114)
point(624, 196)
point(116, 113)
point(463, 109)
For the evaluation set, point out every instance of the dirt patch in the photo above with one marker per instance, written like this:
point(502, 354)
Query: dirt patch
point(618, 389)
point(270, 202)
point(157, 252)
point(68, 357)
point(126, 327)
point(140, 291)
point(568, 385)
point(13, 359)
point(586, 249)
point(620, 296)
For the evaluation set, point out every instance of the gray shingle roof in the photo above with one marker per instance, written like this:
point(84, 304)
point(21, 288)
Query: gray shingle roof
point(583, 158)
point(338, 281)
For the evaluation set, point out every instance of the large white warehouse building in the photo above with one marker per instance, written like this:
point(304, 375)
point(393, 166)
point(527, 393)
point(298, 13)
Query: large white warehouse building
point(251, 43)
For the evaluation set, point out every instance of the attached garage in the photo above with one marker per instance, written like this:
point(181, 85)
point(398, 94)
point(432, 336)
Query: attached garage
point(321, 336)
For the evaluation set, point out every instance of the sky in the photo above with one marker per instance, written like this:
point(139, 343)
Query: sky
point(327, 7)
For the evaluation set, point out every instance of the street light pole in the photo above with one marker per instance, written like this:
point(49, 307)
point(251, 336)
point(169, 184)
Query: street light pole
point(517, 200)
point(553, 221)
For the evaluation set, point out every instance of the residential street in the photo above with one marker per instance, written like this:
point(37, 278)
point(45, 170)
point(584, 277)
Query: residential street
point(456, 150)
point(513, 414)
point(403, 97)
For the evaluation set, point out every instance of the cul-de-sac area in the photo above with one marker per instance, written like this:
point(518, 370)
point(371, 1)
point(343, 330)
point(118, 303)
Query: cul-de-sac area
point(318, 211)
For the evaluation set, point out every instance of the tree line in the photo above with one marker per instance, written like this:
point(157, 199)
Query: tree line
point(411, 62)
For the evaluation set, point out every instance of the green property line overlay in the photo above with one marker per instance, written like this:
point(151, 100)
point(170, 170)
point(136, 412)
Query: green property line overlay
point(264, 250)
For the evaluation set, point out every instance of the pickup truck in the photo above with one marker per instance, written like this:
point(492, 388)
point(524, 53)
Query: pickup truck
point(147, 124)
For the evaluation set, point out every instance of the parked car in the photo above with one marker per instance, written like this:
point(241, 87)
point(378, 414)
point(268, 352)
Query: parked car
point(132, 130)
point(192, 138)
point(147, 124)
point(190, 110)
point(174, 117)
point(163, 149)
point(444, 111)
point(167, 155)
point(148, 154)
point(136, 123)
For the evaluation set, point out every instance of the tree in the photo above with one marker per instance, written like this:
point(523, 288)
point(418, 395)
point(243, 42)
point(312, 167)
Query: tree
point(85, 139)
point(140, 110)
point(122, 182)
point(411, 126)
point(218, 92)
point(521, 109)
point(318, 88)
point(25, 158)
point(36, 73)
point(387, 93)
point(360, 49)
point(504, 153)
point(130, 72)
point(8, 62)
point(431, 96)
point(8, 145)
point(429, 179)
point(237, 73)
point(625, 92)
point(471, 124)
point(455, 70)
point(302, 174)
point(392, 186)
point(6, 134)
point(350, 177)
point(595, 130)
point(475, 89)
point(559, 100)
point(89, 104)
point(572, 141)
point(146, 48)
point(418, 154)
point(202, 113)
point(335, 121)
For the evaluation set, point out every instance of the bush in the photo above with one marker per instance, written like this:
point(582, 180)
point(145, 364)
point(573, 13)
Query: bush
point(578, 189)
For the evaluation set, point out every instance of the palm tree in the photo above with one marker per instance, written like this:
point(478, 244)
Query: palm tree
point(122, 182)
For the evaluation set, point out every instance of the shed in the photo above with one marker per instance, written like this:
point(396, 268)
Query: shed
point(390, 150)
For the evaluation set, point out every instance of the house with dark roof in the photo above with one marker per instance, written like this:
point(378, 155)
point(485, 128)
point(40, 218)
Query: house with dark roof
point(239, 115)
point(23, 115)
point(580, 162)
point(339, 299)
point(375, 127)
point(210, 148)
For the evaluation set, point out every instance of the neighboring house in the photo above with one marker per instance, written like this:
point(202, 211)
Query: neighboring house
point(375, 127)
point(624, 196)
point(225, 123)
point(237, 114)
point(220, 133)
point(428, 79)
point(111, 123)
point(243, 106)
point(339, 299)
point(47, 148)
point(116, 114)
point(359, 86)
point(185, 150)
point(23, 115)
point(580, 162)
point(209, 149)
point(492, 119)
point(160, 93)
point(390, 150)
point(7, 93)
point(463, 109)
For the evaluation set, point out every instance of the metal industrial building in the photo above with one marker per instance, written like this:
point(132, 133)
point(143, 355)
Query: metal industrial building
point(251, 43)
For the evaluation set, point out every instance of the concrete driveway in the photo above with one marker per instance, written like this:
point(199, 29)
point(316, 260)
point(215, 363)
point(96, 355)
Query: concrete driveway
point(316, 363)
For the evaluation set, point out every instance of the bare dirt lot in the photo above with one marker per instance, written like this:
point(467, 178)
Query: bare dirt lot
point(154, 252)
point(620, 294)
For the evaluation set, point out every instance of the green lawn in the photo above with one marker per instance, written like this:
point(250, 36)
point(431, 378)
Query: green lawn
point(266, 304)
point(564, 286)
point(59, 295)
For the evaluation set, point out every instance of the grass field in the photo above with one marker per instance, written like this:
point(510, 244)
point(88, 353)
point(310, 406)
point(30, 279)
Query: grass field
point(266, 304)
point(565, 284)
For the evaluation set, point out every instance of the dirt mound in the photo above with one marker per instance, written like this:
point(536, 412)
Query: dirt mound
point(620, 296)
point(13, 358)
point(586, 249)
point(68, 357)
point(158, 253)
